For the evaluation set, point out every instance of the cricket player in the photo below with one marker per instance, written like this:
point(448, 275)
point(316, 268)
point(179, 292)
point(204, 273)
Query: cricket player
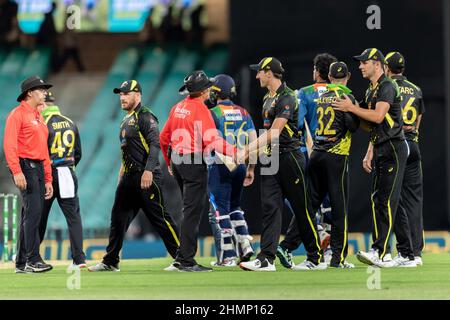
point(64, 147)
point(382, 111)
point(230, 229)
point(285, 180)
point(328, 164)
point(411, 200)
point(140, 178)
point(307, 117)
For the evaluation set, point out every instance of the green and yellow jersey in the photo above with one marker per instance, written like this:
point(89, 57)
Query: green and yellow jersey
point(334, 128)
point(411, 100)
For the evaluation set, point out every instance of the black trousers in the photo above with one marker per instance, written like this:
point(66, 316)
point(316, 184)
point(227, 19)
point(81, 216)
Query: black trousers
point(410, 207)
point(193, 182)
point(71, 210)
point(287, 182)
point(328, 173)
point(129, 199)
point(292, 240)
point(390, 162)
point(30, 218)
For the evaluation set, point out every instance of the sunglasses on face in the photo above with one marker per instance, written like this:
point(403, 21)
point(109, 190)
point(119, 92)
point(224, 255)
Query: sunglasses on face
point(43, 91)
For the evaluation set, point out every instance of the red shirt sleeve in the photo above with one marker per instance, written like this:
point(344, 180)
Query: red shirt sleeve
point(211, 137)
point(48, 170)
point(164, 138)
point(12, 127)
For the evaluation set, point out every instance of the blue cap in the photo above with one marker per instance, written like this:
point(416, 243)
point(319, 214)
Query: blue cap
point(224, 86)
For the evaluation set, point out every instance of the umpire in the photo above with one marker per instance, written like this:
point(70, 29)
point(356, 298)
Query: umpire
point(65, 152)
point(190, 132)
point(411, 200)
point(382, 110)
point(25, 146)
point(140, 178)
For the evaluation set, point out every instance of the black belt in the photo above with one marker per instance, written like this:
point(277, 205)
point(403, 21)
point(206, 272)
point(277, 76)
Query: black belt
point(191, 156)
point(32, 163)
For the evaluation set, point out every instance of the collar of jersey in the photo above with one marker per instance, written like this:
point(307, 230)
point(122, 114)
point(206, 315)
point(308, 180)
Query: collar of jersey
point(398, 77)
point(278, 92)
point(135, 111)
point(226, 103)
point(336, 87)
point(51, 110)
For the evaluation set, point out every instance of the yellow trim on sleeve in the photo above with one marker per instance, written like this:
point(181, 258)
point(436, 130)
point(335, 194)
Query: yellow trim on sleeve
point(389, 120)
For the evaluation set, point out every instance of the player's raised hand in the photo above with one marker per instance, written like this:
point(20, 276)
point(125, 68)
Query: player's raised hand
point(343, 104)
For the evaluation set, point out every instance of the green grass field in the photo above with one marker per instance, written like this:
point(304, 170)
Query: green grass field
point(145, 279)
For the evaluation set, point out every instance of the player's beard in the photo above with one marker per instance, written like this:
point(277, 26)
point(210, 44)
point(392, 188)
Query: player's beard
point(128, 104)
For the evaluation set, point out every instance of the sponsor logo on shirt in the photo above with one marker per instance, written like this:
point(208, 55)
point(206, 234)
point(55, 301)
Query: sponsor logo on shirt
point(181, 112)
point(232, 115)
point(321, 90)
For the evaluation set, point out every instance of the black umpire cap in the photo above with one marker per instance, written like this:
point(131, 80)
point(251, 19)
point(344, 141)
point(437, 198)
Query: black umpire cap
point(269, 63)
point(395, 61)
point(338, 70)
point(370, 54)
point(31, 83)
point(196, 82)
point(129, 86)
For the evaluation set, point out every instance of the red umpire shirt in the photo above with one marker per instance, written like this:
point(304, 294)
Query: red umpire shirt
point(197, 130)
point(26, 137)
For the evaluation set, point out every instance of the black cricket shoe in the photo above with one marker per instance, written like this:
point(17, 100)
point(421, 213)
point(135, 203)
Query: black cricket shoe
point(38, 267)
point(20, 269)
point(194, 268)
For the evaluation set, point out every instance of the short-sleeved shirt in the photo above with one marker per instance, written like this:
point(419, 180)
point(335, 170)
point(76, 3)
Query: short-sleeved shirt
point(233, 122)
point(391, 128)
point(334, 128)
point(412, 106)
point(283, 105)
point(139, 141)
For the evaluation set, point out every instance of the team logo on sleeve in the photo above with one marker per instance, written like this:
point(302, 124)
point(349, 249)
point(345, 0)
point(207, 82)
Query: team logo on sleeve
point(287, 110)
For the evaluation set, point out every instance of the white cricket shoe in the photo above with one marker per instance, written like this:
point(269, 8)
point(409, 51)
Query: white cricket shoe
point(403, 262)
point(418, 261)
point(258, 265)
point(387, 257)
point(371, 258)
point(308, 265)
point(173, 266)
point(347, 265)
point(227, 262)
point(103, 267)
